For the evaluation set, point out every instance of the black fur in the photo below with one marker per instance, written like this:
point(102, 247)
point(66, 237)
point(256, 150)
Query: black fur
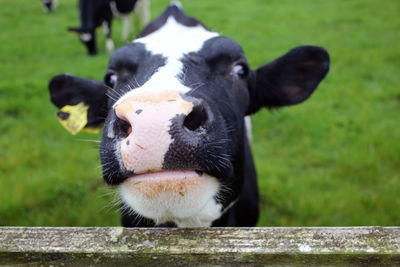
point(290, 79)
point(133, 70)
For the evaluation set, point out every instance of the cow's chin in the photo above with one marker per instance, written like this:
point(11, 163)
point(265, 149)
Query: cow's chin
point(184, 197)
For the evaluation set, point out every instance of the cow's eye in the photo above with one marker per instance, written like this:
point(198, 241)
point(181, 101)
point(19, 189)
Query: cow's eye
point(111, 80)
point(240, 70)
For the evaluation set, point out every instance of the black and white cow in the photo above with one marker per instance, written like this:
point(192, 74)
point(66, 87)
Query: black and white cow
point(94, 13)
point(49, 5)
point(175, 99)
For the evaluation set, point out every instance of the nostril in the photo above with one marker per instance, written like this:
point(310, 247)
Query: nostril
point(127, 128)
point(196, 118)
point(122, 127)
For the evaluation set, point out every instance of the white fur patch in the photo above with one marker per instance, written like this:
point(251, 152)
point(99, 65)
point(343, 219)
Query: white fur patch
point(85, 37)
point(114, 10)
point(109, 45)
point(247, 123)
point(210, 212)
point(193, 205)
point(142, 9)
point(106, 29)
point(126, 26)
point(164, 42)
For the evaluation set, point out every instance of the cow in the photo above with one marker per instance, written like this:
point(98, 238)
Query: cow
point(173, 103)
point(94, 13)
point(49, 5)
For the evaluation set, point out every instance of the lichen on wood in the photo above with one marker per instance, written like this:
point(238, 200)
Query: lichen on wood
point(295, 246)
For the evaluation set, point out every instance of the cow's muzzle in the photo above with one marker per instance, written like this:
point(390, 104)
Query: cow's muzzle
point(160, 131)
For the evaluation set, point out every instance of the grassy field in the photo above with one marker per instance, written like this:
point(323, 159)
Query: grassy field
point(332, 161)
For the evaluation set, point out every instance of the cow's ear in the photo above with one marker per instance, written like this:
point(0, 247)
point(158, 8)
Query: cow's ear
point(289, 79)
point(82, 102)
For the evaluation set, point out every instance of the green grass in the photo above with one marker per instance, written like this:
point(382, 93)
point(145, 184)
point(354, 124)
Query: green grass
point(334, 160)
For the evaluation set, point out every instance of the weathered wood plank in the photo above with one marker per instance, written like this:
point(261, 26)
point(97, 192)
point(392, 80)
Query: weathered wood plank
point(295, 246)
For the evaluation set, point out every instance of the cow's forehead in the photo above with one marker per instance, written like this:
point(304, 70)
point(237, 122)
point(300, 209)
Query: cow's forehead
point(172, 41)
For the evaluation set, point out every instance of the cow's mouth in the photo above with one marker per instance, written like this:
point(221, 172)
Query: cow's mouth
point(172, 195)
point(174, 182)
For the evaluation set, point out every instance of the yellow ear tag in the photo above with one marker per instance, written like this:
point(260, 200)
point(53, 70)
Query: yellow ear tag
point(73, 118)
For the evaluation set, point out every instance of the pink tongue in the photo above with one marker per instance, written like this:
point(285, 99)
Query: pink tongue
point(163, 175)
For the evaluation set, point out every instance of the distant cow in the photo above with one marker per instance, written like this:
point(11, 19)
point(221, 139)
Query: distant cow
point(94, 13)
point(174, 101)
point(49, 5)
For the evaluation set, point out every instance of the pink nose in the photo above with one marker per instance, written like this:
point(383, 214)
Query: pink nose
point(147, 121)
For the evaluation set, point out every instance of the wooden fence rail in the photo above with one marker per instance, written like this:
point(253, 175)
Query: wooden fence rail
point(292, 246)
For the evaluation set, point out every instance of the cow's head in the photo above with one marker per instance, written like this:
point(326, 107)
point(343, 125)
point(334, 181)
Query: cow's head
point(175, 98)
point(49, 5)
point(87, 37)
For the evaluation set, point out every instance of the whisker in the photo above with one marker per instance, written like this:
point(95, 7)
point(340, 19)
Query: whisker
point(137, 83)
point(88, 140)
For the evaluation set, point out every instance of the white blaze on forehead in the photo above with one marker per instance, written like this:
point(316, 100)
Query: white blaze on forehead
point(173, 40)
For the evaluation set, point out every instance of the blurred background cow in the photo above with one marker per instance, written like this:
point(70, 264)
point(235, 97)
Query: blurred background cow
point(49, 5)
point(95, 13)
